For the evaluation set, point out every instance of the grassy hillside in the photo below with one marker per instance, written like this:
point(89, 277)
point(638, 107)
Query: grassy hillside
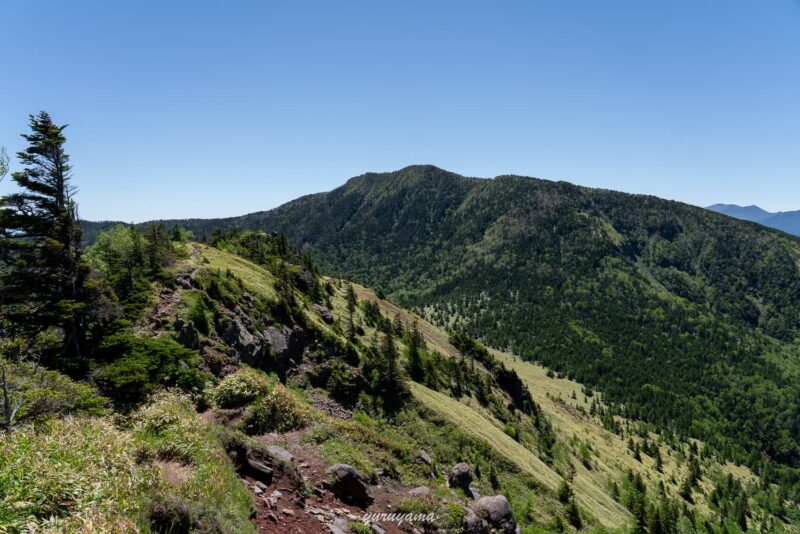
point(567, 404)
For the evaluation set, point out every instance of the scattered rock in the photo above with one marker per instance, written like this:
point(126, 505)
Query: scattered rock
point(497, 513)
point(324, 312)
point(425, 458)
point(345, 482)
point(319, 492)
point(279, 454)
point(272, 517)
point(287, 511)
point(472, 524)
point(460, 476)
point(259, 470)
point(260, 485)
point(421, 491)
point(257, 490)
point(184, 280)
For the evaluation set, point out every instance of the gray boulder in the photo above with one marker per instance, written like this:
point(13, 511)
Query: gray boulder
point(345, 482)
point(277, 341)
point(460, 476)
point(421, 491)
point(497, 513)
point(240, 338)
point(472, 524)
point(279, 455)
point(324, 312)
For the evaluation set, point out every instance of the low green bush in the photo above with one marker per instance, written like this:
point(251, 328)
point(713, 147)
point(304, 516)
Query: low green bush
point(280, 411)
point(138, 366)
point(41, 393)
point(240, 388)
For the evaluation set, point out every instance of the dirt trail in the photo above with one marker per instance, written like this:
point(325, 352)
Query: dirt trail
point(286, 512)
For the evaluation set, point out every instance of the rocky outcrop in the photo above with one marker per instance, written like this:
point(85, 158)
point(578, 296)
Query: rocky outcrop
point(345, 482)
point(187, 334)
point(303, 280)
point(496, 511)
point(238, 336)
point(278, 348)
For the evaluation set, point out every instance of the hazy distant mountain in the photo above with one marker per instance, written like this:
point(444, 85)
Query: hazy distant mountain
point(787, 221)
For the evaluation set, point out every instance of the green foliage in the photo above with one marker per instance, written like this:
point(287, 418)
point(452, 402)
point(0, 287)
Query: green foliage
point(40, 247)
point(279, 411)
point(71, 475)
point(39, 394)
point(564, 492)
point(240, 388)
point(140, 365)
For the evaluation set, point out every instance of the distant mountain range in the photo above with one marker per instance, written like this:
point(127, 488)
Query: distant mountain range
point(787, 221)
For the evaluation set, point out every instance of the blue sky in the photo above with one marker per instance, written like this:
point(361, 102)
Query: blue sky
point(206, 109)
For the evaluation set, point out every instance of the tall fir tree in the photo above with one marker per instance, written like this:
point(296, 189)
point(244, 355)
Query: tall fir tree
point(40, 242)
point(394, 388)
point(352, 303)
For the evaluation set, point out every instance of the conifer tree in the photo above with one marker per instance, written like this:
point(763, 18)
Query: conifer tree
point(352, 301)
point(3, 163)
point(40, 241)
point(393, 386)
point(415, 345)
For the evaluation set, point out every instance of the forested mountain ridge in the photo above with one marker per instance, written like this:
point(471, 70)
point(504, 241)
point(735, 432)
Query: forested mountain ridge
point(683, 315)
point(662, 304)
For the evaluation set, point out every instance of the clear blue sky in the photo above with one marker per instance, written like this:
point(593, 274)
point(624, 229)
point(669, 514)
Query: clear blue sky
point(206, 109)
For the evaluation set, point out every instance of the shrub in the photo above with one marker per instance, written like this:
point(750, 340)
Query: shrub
point(279, 411)
point(41, 393)
point(172, 514)
point(197, 306)
point(240, 388)
point(139, 365)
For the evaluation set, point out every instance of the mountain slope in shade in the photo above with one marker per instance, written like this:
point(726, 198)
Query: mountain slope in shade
point(786, 221)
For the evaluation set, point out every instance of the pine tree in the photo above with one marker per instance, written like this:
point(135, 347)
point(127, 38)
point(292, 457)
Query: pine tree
point(392, 377)
point(564, 492)
point(40, 241)
point(3, 163)
point(415, 345)
point(159, 250)
point(574, 515)
point(352, 301)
